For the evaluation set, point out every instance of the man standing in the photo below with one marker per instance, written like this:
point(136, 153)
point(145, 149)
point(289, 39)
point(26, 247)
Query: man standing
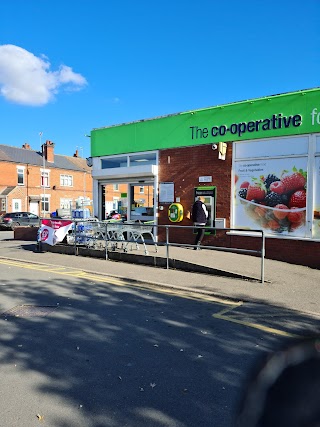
point(199, 218)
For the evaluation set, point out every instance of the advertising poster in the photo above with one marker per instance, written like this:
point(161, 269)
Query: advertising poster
point(316, 203)
point(270, 194)
point(53, 231)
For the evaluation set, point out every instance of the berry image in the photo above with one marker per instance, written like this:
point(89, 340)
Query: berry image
point(298, 199)
point(273, 203)
point(255, 192)
point(243, 193)
point(269, 180)
point(280, 211)
point(296, 216)
point(272, 199)
point(293, 182)
point(278, 187)
point(245, 184)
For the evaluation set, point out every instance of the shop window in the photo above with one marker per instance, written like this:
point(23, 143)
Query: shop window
point(141, 208)
point(114, 162)
point(142, 159)
point(20, 172)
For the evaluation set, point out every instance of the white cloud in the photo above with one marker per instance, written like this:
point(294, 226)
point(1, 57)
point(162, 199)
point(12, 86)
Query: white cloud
point(26, 79)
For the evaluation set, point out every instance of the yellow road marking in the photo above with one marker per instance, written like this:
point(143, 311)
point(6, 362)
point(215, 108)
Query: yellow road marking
point(221, 315)
point(65, 271)
point(158, 289)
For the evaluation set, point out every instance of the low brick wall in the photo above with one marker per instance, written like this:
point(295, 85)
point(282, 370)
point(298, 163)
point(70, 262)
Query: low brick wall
point(25, 233)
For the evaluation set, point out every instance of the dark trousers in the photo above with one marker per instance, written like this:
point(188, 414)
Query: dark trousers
point(199, 236)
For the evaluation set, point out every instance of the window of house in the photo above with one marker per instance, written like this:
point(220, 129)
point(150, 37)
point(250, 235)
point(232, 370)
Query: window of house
point(20, 172)
point(44, 178)
point(141, 190)
point(66, 180)
point(45, 205)
point(3, 205)
point(115, 187)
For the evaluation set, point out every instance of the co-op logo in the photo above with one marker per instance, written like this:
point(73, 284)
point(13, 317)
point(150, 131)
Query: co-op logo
point(276, 121)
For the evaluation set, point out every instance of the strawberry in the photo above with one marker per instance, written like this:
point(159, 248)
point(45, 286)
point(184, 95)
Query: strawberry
point(255, 192)
point(296, 217)
point(277, 187)
point(245, 184)
point(279, 213)
point(293, 182)
point(298, 199)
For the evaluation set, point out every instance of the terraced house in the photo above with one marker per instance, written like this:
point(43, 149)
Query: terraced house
point(41, 181)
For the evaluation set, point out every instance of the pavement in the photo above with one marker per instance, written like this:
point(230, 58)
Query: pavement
point(285, 285)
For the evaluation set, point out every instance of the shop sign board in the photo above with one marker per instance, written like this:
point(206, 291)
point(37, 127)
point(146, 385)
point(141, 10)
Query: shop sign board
point(294, 113)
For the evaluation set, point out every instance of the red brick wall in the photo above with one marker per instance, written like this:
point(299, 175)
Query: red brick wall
point(183, 166)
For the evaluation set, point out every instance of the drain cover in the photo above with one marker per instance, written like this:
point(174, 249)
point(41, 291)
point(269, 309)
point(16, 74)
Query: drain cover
point(29, 311)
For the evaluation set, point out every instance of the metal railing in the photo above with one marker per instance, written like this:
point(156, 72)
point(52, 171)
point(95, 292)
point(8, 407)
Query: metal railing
point(118, 235)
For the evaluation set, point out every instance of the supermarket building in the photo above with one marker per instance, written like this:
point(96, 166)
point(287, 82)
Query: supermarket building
point(256, 162)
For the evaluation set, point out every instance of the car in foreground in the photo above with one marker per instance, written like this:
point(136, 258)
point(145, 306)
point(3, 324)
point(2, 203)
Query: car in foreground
point(15, 219)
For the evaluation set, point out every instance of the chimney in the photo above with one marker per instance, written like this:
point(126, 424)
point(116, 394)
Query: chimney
point(26, 146)
point(76, 154)
point(48, 149)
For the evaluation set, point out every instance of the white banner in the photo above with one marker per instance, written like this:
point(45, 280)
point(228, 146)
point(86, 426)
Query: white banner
point(53, 231)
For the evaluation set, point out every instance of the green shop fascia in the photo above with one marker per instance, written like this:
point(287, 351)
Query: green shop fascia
point(275, 139)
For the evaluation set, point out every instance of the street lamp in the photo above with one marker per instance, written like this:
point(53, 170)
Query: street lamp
point(43, 198)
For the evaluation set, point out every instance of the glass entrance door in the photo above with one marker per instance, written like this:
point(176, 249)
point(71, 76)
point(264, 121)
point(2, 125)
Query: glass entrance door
point(141, 202)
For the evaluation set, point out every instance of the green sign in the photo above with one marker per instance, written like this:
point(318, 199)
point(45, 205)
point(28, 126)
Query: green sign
point(292, 113)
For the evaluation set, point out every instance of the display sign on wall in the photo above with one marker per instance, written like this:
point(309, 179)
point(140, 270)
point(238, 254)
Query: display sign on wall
point(316, 211)
point(166, 192)
point(271, 194)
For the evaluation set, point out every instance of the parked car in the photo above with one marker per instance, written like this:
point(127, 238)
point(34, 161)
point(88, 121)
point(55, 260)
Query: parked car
point(14, 219)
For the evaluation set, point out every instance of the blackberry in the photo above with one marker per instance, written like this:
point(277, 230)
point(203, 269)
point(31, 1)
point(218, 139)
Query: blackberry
point(285, 199)
point(269, 180)
point(243, 193)
point(272, 199)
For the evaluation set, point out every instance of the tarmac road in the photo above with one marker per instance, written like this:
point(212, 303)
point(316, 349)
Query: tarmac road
point(107, 350)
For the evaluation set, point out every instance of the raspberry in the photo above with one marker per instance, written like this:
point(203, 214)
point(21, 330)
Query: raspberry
point(278, 187)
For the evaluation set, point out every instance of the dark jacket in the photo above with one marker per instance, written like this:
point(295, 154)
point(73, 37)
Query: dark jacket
point(198, 213)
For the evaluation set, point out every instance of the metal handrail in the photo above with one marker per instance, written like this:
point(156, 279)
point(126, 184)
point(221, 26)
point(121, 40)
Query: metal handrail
point(168, 243)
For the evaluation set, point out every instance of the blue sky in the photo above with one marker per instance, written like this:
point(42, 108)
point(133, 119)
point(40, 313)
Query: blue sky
point(68, 66)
